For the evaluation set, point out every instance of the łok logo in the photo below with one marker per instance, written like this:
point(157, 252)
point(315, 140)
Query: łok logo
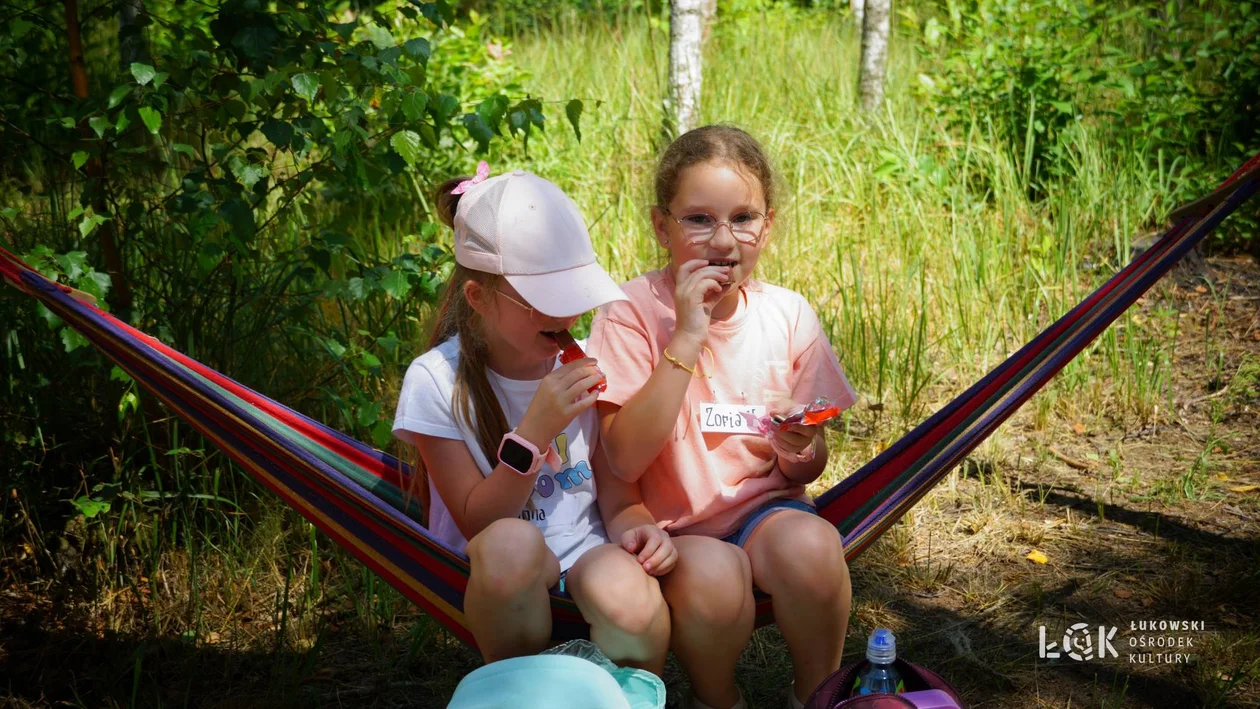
point(1078, 643)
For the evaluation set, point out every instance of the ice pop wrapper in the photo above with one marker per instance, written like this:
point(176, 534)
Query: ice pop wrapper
point(816, 412)
point(569, 351)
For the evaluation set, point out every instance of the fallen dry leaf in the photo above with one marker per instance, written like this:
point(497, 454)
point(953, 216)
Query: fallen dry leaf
point(1148, 602)
point(1078, 428)
point(1123, 593)
point(1244, 488)
point(1038, 557)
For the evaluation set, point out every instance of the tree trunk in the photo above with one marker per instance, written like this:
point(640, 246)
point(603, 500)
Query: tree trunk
point(686, 32)
point(857, 7)
point(120, 290)
point(131, 45)
point(875, 26)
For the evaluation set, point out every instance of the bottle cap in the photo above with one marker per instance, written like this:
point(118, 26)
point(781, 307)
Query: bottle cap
point(881, 648)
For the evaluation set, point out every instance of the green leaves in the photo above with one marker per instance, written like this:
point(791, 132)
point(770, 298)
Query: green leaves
point(249, 174)
point(99, 125)
point(573, 111)
point(79, 159)
point(478, 130)
point(142, 72)
point(151, 117)
point(397, 284)
point(89, 224)
point(413, 105)
point(280, 133)
point(442, 110)
point(87, 506)
point(72, 264)
point(418, 49)
point(407, 144)
point(117, 95)
point(492, 111)
point(306, 85)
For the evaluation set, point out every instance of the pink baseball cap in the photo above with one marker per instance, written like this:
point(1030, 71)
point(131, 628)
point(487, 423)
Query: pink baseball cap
point(526, 229)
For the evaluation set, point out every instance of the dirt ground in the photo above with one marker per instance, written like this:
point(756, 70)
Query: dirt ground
point(1052, 524)
point(1131, 526)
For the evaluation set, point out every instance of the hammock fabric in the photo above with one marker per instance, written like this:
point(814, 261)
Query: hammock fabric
point(355, 494)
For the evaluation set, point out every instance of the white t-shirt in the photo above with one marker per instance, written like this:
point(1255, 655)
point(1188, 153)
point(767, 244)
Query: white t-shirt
point(563, 500)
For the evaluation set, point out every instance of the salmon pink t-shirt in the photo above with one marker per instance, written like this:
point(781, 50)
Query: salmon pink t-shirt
point(705, 482)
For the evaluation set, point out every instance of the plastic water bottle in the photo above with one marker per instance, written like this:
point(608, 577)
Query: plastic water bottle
point(881, 677)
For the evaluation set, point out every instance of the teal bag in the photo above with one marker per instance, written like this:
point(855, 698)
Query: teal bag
point(575, 674)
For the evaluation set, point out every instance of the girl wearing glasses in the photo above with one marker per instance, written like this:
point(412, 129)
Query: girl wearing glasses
point(698, 344)
point(508, 435)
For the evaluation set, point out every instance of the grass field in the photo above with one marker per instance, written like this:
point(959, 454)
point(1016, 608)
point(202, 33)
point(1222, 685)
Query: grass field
point(1134, 472)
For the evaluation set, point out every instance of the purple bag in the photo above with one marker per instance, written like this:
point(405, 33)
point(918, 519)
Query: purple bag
point(836, 691)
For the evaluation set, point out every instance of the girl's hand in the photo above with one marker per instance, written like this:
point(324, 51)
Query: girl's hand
point(652, 547)
point(561, 396)
point(699, 289)
point(792, 438)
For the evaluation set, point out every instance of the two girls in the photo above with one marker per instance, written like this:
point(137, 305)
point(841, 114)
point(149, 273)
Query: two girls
point(706, 510)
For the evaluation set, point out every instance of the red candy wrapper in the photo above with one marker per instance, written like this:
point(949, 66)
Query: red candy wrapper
point(570, 351)
point(816, 412)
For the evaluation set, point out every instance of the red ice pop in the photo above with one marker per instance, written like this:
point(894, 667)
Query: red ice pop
point(570, 351)
point(817, 411)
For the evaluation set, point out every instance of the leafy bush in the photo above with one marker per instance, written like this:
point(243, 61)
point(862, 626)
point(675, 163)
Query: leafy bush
point(1175, 80)
point(249, 181)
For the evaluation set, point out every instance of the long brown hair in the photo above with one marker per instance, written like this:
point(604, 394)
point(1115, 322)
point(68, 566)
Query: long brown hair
point(474, 402)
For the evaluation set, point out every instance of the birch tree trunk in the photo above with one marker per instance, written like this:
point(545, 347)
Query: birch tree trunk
point(686, 35)
point(857, 7)
point(131, 45)
point(875, 26)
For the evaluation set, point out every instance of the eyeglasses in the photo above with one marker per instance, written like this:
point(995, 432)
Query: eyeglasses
point(539, 319)
point(700, 228)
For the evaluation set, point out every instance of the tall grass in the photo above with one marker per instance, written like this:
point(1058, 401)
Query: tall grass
point(920, 248)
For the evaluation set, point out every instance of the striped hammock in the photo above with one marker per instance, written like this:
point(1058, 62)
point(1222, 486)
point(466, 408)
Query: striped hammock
point(354, 493)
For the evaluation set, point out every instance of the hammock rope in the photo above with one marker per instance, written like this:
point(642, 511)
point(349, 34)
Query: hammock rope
point(356, 494)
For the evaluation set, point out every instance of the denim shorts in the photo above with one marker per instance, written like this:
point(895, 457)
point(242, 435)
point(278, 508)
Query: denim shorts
point(759, 515)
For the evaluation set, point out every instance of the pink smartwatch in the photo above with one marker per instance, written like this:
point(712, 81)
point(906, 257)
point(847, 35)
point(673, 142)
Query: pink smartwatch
point(524, 457)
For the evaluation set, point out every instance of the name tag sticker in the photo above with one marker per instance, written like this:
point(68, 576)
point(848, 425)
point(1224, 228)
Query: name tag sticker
point(730, 418)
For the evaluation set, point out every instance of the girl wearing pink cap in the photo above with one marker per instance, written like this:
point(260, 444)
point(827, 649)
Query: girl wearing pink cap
point(698, 345)
point(509, 436)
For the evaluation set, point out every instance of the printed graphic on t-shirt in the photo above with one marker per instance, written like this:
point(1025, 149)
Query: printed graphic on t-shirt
point(571, 479)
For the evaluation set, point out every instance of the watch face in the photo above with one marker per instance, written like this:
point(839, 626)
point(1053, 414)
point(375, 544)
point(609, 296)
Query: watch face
point(516, 456)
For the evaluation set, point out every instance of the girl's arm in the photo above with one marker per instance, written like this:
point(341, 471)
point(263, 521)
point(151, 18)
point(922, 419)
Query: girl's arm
point(627, 521)
point(474, 501)
point(636, 432)
point(620, 503)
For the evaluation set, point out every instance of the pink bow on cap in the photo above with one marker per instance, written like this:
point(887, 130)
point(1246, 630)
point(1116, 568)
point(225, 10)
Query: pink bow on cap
point(483, 172)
